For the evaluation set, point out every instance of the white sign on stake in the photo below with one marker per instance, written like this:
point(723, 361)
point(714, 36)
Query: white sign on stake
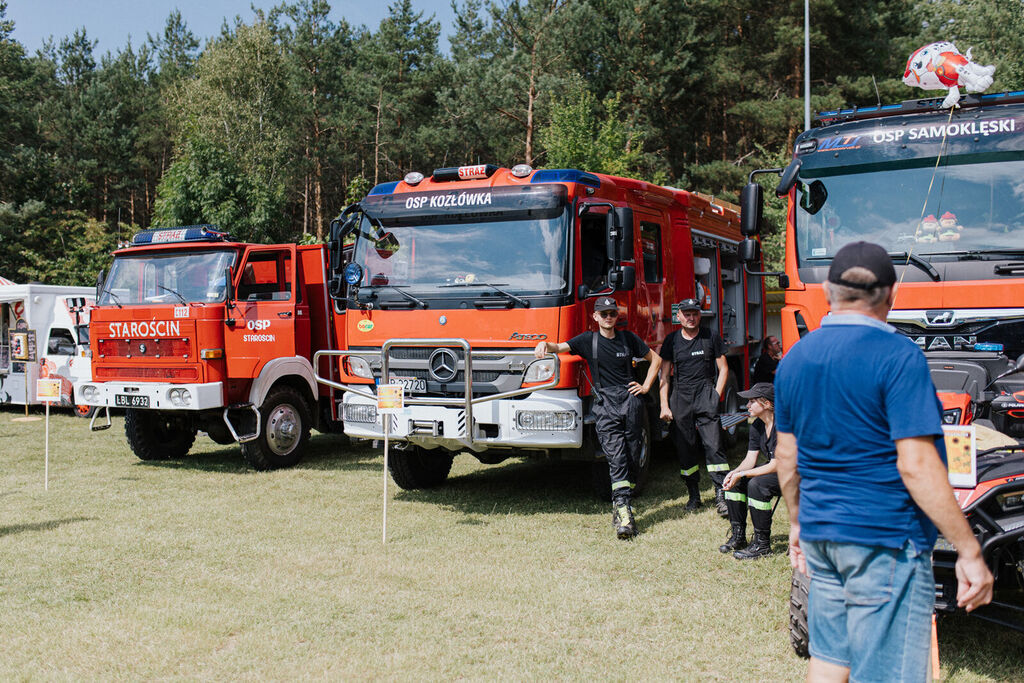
point(390, 400)
point(47, 391)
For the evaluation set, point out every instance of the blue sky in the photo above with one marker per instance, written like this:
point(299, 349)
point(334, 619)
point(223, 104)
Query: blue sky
point(111, 22)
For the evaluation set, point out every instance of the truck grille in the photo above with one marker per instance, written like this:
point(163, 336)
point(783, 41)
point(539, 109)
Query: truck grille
point(100, 372)
point(143, 348)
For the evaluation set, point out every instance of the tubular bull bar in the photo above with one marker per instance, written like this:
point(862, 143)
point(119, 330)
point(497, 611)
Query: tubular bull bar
point(466, 402)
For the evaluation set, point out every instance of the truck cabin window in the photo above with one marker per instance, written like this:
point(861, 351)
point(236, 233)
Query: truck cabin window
point(177, 277)
point(266, 276)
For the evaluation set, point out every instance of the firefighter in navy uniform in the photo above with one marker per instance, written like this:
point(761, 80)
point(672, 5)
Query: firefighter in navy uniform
point(618, 405)
point(695, 355)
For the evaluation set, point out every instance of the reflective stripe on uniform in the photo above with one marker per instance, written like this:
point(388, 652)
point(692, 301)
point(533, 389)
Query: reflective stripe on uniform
point(621, 485)
point(738, 497)
point(723, 467)
point(690, 471)
point(760, 504)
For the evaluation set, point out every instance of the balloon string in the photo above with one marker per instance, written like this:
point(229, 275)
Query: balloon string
point(924, 207)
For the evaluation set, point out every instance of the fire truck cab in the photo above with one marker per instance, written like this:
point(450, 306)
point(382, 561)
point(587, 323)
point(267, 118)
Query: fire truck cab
point(195, 331)
point(455, 277)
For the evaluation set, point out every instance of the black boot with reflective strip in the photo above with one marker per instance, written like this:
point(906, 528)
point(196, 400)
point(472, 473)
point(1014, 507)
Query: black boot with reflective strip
point(720, 506)
point(759, 547)
point(623, 521)
point(693, 489)
point(737, 539)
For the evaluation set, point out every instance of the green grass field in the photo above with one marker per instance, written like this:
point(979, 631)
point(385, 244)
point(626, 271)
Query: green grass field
point(205, 569)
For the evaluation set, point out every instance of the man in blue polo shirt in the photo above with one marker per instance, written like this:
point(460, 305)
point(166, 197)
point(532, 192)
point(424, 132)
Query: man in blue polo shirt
point(861, 463)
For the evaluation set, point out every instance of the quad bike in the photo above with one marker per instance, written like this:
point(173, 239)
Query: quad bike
point(994, 508)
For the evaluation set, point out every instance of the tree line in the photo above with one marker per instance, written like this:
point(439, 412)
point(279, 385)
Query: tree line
point(273, 126)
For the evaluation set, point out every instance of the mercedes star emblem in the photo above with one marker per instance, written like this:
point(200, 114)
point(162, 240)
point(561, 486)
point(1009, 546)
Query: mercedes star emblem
point(443, 365)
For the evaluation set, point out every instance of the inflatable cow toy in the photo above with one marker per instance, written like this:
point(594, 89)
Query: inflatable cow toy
point(940, 66)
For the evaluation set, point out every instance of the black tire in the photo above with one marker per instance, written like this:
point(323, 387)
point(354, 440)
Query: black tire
point(156, 435)
point(419, 468)
point(84, 411)
point(730, 404)
point(284, 431)
point(798, 593)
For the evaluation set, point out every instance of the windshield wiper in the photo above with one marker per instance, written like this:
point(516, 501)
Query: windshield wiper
point(117, 302)
point(907, 257)
point(525, 303)
point(977, 254)
point(398, 288)
point(898, 256)
point(175, 293)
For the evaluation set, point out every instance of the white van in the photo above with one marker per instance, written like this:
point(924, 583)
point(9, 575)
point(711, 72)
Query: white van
point(44, 332)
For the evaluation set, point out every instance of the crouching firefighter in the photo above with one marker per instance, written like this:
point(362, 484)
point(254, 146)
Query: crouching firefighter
point(694, 355)
point(751, 486)
point(618, 405)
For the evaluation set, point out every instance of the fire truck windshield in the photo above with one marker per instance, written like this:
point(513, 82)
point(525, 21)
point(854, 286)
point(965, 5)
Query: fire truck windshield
point(167, 277)
point(502, 238)
point(967, 210)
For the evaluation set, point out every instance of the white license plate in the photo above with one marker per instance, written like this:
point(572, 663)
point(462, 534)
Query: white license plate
point(412, 384)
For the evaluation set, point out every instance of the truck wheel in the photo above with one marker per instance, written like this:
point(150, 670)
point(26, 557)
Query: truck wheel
point(798, 593)
point(419, 468)
point(155, 435)
point(85, 411)
point(731, 404)
point(284, 431)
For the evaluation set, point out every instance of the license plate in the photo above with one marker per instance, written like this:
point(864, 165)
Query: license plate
point(412, 384)
point(129, 401)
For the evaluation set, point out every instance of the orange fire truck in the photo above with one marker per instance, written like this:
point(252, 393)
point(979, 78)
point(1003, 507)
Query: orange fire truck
point(194, 331)
point(941, 190)
point(455, 277)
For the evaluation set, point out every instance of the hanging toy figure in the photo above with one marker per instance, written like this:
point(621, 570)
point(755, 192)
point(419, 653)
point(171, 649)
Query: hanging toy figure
point(949, 229)
point(927, 230)
point(940, 66)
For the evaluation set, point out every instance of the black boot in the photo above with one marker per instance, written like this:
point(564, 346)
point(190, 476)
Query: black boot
point(723, 509)
point(623, 521)
point(759, 547)
point(736, 541)
point(693, 488)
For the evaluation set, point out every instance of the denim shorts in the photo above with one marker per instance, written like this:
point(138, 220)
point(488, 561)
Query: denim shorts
point(870, 609)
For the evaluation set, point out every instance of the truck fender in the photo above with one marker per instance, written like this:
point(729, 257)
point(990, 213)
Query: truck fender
point(277, 368)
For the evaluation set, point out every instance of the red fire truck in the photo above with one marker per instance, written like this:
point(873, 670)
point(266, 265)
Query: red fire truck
point(194, 331)
point(455, 277)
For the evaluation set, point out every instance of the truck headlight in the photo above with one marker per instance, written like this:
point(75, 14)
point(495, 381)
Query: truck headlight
point(180, 397)
point(951, 416)
point(358, 367)
point(546, 420)
point(540, 370)
point(90, 392)
point(360, 412)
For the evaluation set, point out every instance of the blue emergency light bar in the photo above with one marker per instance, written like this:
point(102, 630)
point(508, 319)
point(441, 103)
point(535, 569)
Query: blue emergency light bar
point(185, 233)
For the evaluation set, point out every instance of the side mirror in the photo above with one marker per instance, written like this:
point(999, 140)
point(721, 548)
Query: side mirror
point(387, 245)
point(100, 279)
point(750, 251)
point(229, 286)
point(751, 209)
point(619, 231)
point(622, 278)
point(788, 178)
point(813, 197)
point(582, 291)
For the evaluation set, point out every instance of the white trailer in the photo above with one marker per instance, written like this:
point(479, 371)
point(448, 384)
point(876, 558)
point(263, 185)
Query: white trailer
point(44, 332)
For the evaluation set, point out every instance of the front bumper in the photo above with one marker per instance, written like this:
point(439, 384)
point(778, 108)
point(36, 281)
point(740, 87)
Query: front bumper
point(496, 424)
point(204, 396)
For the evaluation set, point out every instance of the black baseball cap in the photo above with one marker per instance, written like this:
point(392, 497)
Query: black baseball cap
point(863, 255)
point(760, 390)
point(689, 305)
point(606, 303)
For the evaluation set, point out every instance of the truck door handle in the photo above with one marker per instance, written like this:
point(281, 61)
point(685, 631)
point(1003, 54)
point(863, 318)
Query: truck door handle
point(284, 314)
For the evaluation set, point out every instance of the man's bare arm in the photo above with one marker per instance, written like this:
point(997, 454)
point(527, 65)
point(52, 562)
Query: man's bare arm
point(789, 482)
point(723, 375)
point(926, 479)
